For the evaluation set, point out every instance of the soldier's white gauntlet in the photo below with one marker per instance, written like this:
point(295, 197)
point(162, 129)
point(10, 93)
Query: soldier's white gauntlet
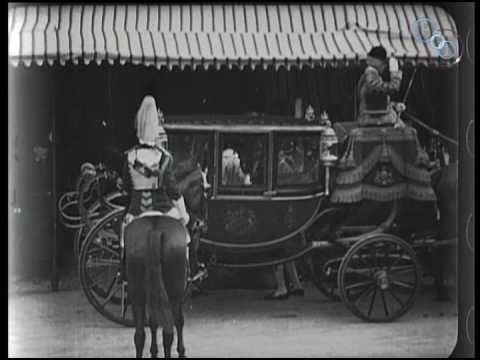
point(180, 205)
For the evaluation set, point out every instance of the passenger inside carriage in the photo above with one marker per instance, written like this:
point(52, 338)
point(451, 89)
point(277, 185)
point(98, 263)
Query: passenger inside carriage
point(243, 159)
point(290, 159)
point(297, 160)
point(232, 173)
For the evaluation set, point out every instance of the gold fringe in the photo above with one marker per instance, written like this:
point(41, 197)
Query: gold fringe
point(384, 153)
point(361, 170)
point(348, 161)
point(369, 192)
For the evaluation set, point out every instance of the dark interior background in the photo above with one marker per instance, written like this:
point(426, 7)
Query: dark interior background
point(93, 108)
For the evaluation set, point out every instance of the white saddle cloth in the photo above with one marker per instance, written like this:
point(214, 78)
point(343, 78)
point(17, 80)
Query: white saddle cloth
point(173, 212)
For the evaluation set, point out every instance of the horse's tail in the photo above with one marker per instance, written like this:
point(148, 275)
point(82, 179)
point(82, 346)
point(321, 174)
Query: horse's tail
point(157, 302)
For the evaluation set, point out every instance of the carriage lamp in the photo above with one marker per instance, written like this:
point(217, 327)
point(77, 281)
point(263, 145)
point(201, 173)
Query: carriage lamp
point(310, 114)
point(328, 146)
point(328, 153)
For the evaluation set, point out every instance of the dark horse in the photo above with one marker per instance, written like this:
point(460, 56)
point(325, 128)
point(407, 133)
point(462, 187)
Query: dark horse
point(155, 249)
point(155, 252)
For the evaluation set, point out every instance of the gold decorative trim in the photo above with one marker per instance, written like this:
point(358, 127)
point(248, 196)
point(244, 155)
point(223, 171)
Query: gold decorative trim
point(370, 192)
point(377, 154)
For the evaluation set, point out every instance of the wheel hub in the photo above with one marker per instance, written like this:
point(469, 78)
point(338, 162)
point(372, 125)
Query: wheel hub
point(383, 281)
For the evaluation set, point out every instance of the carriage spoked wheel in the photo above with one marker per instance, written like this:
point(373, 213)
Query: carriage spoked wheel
point(114, 200)
point(378, 278)
point(101, 272)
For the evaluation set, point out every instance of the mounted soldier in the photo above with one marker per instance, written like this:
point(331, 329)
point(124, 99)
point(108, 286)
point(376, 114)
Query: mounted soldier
point(148, 173)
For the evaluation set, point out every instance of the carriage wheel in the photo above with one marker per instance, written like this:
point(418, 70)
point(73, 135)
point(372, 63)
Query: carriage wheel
point(114, 200)
point(379, 278)
point(78, 240)
point(101, 271)
point(67, 204)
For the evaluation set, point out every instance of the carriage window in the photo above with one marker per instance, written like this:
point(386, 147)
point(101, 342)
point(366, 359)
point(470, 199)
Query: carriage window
point(297, 160)
point(243, 160)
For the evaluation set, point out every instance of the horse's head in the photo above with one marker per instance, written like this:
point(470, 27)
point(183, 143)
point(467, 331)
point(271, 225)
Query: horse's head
point(192, 185)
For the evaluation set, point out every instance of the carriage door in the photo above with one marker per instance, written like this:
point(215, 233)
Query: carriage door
point(240, 178)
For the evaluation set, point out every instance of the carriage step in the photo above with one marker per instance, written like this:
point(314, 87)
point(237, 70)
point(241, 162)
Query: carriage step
point(201, 275)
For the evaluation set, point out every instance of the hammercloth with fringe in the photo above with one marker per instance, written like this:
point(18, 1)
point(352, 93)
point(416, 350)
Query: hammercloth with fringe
point(382, 164)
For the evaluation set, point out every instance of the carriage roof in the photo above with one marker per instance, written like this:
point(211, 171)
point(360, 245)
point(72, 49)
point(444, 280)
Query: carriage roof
point(239, 123)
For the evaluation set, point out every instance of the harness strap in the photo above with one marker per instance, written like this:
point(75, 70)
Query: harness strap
point(162, 169)
point(430, 129)
point(145, 169)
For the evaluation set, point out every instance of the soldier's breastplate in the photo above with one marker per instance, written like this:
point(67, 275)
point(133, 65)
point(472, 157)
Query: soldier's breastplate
point(144, 169)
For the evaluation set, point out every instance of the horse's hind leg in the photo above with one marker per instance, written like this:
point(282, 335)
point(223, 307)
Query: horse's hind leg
point(136, 293)
point(179, 321)
point(167, 342)
point(154, 346)
point(167, 331)
point(139, 337)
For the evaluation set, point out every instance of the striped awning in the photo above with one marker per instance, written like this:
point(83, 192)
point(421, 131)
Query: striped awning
point(204, 35)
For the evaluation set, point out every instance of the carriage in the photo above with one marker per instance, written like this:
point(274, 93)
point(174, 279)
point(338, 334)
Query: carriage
point(271, 190)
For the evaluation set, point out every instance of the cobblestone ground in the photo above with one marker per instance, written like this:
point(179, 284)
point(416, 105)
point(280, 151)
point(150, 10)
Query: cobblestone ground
point(230, 323)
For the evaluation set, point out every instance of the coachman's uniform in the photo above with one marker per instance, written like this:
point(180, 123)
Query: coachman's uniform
point(374, 98)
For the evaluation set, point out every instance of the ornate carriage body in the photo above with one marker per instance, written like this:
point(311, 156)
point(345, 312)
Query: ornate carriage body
point(272, 195)
point(270, 192)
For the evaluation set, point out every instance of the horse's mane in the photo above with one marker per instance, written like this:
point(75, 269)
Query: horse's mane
point(191, 186)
